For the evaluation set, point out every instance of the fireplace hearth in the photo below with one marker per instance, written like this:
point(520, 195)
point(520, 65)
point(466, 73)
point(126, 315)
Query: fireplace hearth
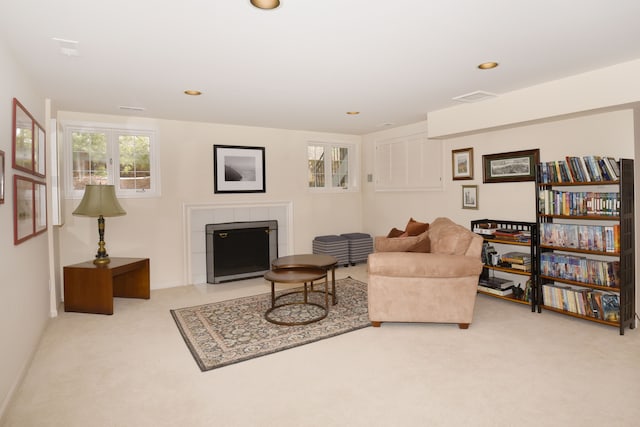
point(240, 250)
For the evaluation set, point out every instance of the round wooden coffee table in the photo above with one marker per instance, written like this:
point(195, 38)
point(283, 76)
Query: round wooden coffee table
point(313, 261)
point(297, 275)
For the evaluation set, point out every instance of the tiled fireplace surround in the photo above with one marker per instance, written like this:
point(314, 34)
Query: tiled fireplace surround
point(198, 215)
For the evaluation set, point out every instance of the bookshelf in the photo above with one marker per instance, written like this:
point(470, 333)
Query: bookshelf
point(585, 240)
point(513, 242)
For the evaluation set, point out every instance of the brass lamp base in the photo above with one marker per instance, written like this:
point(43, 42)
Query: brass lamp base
point(102, 257)
point(101, 261)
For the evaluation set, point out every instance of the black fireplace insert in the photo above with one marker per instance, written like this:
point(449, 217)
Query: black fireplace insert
point(240, 250)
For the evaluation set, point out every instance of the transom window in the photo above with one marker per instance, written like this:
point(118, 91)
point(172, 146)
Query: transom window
point(124, 158)
point(332, 166)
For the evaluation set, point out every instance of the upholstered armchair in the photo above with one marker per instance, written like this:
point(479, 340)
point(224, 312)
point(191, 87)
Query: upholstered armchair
point(436, 283)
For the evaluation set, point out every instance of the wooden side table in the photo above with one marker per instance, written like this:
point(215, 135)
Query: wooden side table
point(89, 288)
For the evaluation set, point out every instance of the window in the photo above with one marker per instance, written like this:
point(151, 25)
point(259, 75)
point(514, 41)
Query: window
point(409, 163)
point(332, 166)
point(124, 158)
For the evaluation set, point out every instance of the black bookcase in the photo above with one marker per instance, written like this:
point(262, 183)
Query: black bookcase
point(505, 245)
point(585, 242)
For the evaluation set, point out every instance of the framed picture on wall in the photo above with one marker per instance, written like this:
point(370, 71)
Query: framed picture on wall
point(39, 207)
point(469, 197)
point(238, 169)
point(513, 166)
point(29, 142)
point(1, 177)
point(462, 163)
point(23, 225)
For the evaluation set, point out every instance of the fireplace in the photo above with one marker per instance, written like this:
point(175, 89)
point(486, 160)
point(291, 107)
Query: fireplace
point(240, 250)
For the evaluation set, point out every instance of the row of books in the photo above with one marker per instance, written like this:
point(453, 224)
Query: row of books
point(504, 234)
point(586, 302)
point(580, 269)
point(601, 238)
point(580, 169)
point(555, 202)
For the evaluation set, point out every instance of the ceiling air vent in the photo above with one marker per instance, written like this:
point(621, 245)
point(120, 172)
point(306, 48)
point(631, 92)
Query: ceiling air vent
point(476, 96)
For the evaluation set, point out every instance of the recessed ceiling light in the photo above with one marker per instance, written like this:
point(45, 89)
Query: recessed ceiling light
point(353, 113)
point(488, 65)
point(265, 4)
point(193, 92)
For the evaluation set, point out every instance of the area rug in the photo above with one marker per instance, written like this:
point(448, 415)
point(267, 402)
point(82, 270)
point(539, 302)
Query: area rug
point(227, 332)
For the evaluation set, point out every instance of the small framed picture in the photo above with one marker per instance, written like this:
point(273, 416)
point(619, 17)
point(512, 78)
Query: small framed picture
point(469, 197)
point(462, 163)
point(238, 169)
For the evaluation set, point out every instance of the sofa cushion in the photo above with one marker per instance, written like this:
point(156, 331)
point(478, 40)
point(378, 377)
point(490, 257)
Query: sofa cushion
point(415, 228)
point(397, 244)
point(395, 233)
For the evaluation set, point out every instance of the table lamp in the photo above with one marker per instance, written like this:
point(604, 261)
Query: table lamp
point(100, 201)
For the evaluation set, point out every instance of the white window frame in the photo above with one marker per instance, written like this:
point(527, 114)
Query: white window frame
point(353, 163)
point(113, 154)
point(409, 163)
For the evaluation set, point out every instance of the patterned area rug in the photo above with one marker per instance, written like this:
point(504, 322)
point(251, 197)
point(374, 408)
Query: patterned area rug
point(227, 332)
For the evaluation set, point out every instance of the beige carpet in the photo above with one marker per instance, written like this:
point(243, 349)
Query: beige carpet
point(511, 368)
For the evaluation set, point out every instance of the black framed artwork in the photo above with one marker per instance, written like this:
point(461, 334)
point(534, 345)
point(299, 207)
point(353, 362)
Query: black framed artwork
point(513, 166)
point(238, 169)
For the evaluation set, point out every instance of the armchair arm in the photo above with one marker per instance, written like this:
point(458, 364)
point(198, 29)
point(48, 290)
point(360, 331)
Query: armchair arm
point(417, 264)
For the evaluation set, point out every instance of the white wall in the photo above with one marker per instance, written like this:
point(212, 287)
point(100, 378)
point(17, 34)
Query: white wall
point(24, 286)
point(605, 134)
point(154, 227)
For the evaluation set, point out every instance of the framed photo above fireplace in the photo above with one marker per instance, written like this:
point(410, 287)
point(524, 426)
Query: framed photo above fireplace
point(238, 169)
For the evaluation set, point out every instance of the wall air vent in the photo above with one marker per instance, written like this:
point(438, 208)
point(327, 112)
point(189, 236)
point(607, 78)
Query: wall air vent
point(476, 96)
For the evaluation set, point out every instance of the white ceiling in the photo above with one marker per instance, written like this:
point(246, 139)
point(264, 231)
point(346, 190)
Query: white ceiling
point(305, 64)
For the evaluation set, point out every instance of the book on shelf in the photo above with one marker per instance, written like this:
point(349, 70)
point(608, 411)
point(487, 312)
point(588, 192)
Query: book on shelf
point(484, 231)
point(494, 291)
point(496, 282)
point(523, 267)
point(512, 235)
point(516, 257)
point(610, 307)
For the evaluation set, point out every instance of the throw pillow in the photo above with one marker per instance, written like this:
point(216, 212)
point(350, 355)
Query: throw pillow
point(415, 228)
point(422, 245)
point(395, 232)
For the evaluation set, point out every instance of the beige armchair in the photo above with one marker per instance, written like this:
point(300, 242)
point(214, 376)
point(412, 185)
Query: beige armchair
point(437, 286)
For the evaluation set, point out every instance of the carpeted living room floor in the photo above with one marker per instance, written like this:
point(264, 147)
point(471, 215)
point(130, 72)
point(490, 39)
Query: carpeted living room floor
point(510, 368)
